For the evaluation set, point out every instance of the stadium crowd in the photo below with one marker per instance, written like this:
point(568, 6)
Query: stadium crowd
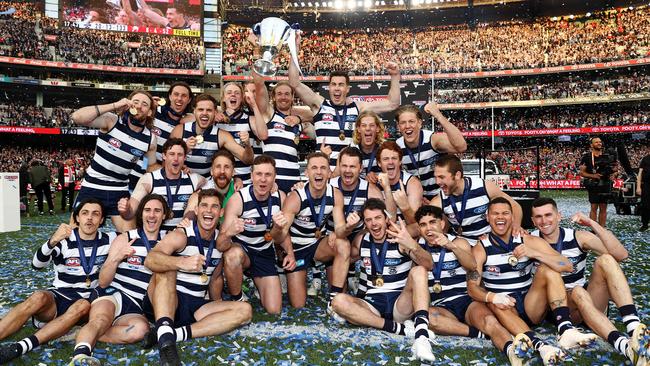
point(50, 157)
point(28, 115)
point(558, 90)
point(27, 34)
point(605, 36)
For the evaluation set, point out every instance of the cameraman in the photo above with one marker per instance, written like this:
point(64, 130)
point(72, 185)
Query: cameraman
point(597, 169)
point(643, 190)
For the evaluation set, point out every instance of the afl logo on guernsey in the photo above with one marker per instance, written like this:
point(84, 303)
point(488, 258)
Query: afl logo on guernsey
point(493, 269)
point(135, 261)
point(250, 221)
point(328, 117)
point(73, 262)
point(278, 126)
point(156, 131)
point(366, 262)
point(115, 142)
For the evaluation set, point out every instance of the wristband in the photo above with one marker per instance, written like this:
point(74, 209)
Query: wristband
point(299, 119)
point(114, 109)
point(486, 297)
point(97, 110)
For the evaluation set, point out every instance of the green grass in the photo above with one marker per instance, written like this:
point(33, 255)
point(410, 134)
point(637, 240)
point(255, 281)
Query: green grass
point(304, 336)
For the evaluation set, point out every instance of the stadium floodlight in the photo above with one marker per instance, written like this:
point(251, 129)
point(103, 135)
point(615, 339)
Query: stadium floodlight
point(571, 16)
point(367, 3)
point(309, 4)
point(330, 4)
point(295, 5)
point(338, 4)
point(359, 3)
point(401, 2)
point(383, 3)
point(588, 14)
point(352, 4)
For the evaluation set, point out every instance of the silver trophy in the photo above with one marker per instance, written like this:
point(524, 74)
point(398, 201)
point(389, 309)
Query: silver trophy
point(272, 34)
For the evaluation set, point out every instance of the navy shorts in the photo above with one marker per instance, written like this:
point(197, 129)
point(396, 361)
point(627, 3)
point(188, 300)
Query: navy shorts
point(520, 296)
point(457, 306)
point(384, 303)
point(285, 185)
point(108, 198)
point(124, 304)
point(63, 299)
point(184, 315)
point(262, 262)
point(305, 257)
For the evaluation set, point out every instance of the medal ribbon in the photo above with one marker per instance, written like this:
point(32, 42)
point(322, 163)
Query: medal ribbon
point(353, 198)
point(378, 261)
point(505, 247)
point(341, 119)
point(560, 242)
point(371, 160)
point(199, 244)
point(437, 270)
point(318, 220)
point(416, 163)
point(459, 216)
point(170, 198)
point(167, 109)
point(267, 217)
point(86, 264)
point(127, 116)
point(145, 240)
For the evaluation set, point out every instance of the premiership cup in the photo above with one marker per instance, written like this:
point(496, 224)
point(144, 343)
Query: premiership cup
point(272, 34)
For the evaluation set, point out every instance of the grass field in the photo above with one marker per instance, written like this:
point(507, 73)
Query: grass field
point(305, 336)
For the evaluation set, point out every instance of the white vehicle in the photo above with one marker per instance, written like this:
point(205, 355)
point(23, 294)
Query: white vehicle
point(486, 169)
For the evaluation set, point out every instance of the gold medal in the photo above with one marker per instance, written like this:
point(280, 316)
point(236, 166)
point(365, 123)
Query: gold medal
point(513, 261)
point(162, 101)
point(459, 231)
point(133, 111)
point(296, 140)
point(317, 233)
point(199, 139)
point(342, 136)
point(267, 236)
point(379, 281)
point(437, 288)
point(204, 277)
point(88, 281)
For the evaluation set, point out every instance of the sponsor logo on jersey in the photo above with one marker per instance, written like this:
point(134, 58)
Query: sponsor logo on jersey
point(183, 197)
point(392, 261)
point(480, 209)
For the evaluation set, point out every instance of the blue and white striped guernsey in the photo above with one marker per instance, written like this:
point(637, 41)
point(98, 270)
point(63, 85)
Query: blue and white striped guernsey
point(178, 190)
point(68, 266)
point(420, 162)
point(255, 225)
point(281, 145)
point(395, 273)
point(328, 123)
point(348, 206)
point(240, 121)
point(475, 215)
point(451, 273)
point(303, 228)
point(200, 157)
point(499, 275)
point(368, 159)
point(190, 283)
point(132, 277)
point(116, 153)
point(163, 125)
point(136, 173)
point(568, 246)
point(405, 178)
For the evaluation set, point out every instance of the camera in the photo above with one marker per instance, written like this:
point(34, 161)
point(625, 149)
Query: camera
point(605, 164)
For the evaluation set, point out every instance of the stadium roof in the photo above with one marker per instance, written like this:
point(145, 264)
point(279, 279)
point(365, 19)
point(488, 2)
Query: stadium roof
point(408, 13)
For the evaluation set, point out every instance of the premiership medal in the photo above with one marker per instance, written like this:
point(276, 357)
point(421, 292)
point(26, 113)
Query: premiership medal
point(460, 215)
point(318, 218)
point(199, 139)
point(341, 136)
point(437, 288)
point(208, 256)
point(204, 277)
point(318, 233)
point(133, 110)
point(88, 281)
point(513, 261)
point(267, 236)
point(87, 264)
point(268, 221)
point(162, 102)
point(379, 281)
point(296, 140)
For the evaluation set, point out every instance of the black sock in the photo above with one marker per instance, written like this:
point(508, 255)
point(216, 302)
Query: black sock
point(334, 290)
point(393, 327)
point(82, 348)
point(421, 320)
point(183, 333)
point(165, 330)
point(28, 344)
point(505, 348)
point(537, 343)
point(619, 341)
point(630, 318)
point(475, 333)
point(562, 319)
point(236, 297)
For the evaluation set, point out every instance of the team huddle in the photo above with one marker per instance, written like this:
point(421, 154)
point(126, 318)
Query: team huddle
point(203, 193)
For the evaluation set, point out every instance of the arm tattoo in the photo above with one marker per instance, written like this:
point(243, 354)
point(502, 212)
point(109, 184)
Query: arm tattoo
point(472, 275)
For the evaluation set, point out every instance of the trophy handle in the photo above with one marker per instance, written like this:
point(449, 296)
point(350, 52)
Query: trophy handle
point(291, 43)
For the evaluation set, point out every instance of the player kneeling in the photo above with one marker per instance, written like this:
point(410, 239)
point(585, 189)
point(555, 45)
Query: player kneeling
point(116, 315)
point(183, 262)
point(391, 289)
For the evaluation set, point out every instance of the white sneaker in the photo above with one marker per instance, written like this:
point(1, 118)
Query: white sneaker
point(283, 282)
point(572, 338)
point(421, 350)
point(639, 348)
point(519, 349)
point(314, 287)
point(409, 330)
point(84, 360)
point(353, 285)
point(551, 355)
point(333, 314)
